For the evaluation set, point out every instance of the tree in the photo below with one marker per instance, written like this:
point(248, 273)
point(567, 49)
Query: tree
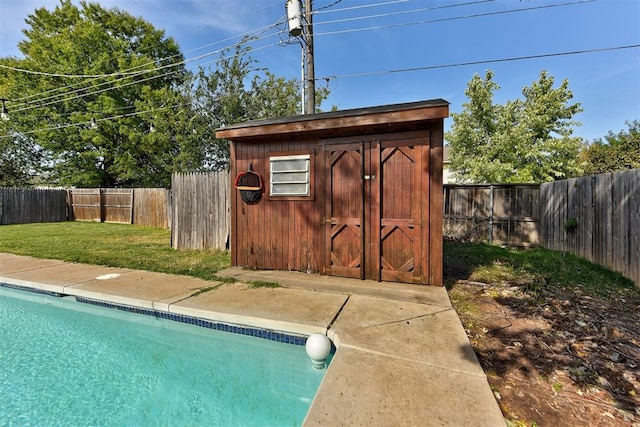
point(19, 161)
point(20, 158)
point(236, 92)
point(106, 101)
point(619, 151)
point(54, 108)
point(525, 140)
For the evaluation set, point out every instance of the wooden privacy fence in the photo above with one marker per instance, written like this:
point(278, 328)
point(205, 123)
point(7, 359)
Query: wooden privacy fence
point(140, 206)
point(27, 205)
point(596, 217)
point(495, 213)
point(201, 210)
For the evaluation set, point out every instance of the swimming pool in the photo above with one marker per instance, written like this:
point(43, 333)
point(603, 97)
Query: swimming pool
point(68, 363)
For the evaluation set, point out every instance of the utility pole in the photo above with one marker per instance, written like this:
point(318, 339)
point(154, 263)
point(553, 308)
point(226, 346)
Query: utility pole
point(301, 25)
point(309, 66)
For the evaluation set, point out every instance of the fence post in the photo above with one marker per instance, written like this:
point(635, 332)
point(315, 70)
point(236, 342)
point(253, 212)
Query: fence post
point(491, 214)
point(131, 206)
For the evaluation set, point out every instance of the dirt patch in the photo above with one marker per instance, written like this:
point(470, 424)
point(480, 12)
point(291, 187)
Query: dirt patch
point(556, 356)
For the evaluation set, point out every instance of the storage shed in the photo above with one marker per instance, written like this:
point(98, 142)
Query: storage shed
point(354, 193)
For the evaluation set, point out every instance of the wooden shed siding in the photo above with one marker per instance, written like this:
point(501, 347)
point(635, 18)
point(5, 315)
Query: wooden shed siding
point(262, 232)
point(375, 209)
point(289, 235)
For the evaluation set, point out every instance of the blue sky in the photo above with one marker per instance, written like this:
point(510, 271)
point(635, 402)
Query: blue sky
point(363, 46)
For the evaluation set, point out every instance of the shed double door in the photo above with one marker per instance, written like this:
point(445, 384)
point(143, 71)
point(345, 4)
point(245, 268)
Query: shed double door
point(376, 193)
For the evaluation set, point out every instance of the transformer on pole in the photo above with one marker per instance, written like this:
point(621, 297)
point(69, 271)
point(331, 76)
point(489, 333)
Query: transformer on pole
point(294, 16)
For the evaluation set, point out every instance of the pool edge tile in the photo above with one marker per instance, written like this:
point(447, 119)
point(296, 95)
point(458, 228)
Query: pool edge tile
point(30, 286)
point(255, 322)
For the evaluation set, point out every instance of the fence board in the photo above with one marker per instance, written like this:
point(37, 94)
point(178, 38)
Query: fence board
point(201, 210)
point(151, 207)
point(140, 206)
point(117, 205)
point(607, 212)
point(85, 204)
point(633, 209)
point(498, 213)
point(28, 205)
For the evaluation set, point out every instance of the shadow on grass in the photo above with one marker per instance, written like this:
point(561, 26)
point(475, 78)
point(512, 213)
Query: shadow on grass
point(533, 267)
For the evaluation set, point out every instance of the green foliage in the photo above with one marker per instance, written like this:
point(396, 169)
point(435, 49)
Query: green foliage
point(144, 85)
point(19, 160)
point(525, 140)
point(236, 92)
point(571, 224)
point(133, 57)
point(619, 151)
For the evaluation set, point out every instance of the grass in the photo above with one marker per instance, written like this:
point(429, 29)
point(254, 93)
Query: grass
point(532, 268)
point(254, 284)
point(144, 248)
point(114, 245)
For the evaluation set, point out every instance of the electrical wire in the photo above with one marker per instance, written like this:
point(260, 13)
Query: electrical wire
point(116, 74)
point(93, 121)
point(266, 28)
point(362, 6)
point(486, 61)
point(258, 36)
point(477, 15)
point(42, 101)
point(115, 87)
point(192, 50)
point(326, 78)
point(262, 29)
point(402, 12)
point(327, 6)
point(364, 74)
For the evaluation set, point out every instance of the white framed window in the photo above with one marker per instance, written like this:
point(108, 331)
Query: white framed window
point(290, 176)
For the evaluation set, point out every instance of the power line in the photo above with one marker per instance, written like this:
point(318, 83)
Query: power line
point(402, 12)
point(191, 50)
point(258, 36)
point(82, 76)
point(486, 61)
point(364, 74)
point(266, 28)
point(263, 29)
point(477, 15)
point(362, 6)
point(39, 102)
point(92, 121)
point(120, 73)
point(327, 6)
point(113, 88)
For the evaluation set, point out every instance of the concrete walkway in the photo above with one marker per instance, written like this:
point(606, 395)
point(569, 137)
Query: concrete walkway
point(403, 358)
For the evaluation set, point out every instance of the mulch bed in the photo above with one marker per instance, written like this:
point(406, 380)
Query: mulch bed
point(557, 356)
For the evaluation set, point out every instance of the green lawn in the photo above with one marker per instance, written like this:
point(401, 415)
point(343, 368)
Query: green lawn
point(115, 245)
point(532, 268)
point(146, 248)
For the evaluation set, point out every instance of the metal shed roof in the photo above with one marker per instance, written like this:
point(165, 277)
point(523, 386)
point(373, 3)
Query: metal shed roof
point(394, 114)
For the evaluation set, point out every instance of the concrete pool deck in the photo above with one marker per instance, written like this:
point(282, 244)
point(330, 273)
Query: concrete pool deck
point(403, 358)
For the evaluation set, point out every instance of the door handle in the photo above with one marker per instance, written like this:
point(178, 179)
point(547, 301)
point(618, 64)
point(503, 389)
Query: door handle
point(369, 177)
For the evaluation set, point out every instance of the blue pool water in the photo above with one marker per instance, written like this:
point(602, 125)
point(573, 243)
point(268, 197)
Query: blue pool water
point(67, 363)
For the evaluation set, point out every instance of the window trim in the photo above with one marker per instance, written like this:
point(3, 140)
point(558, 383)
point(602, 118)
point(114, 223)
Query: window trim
point(289, 155)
